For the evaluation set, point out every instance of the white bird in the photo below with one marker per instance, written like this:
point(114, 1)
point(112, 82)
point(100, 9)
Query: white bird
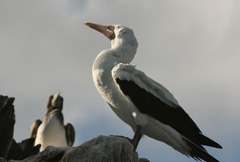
point(145, 105)
point(52, 131)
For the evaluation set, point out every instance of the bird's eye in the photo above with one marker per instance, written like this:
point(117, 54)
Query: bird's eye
point(110, 28)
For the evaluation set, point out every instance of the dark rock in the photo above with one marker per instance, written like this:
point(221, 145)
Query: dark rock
point(9, 148)
point(103, 149)
point(7, 121)
point(100, 149)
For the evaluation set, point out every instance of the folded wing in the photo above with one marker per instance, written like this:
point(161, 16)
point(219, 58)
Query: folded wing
point(154, 100)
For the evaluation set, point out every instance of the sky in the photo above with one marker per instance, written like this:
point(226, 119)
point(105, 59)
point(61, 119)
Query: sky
point(191, 47)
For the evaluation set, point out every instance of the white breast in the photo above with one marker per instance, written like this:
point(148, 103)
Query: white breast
point(51, 134)
point(113, 96)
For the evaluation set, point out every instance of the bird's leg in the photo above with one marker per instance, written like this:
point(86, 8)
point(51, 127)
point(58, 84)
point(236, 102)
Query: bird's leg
point(136, 138)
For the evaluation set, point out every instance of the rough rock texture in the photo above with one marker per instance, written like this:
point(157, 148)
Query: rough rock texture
point(100, 149)
point(7, 121)
point(9, 148)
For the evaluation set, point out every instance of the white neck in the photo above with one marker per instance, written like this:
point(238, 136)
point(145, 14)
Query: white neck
point(125, 50)
point(121, 51)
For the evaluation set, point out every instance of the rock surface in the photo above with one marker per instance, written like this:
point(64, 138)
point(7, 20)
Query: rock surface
point(9, 148)
point(7, 121)
point(100, 149)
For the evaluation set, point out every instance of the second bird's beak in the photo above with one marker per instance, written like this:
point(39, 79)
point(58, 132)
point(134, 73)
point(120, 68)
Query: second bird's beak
point(108, 31)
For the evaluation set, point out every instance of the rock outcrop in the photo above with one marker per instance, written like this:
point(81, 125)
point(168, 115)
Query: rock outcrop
point(9, 148)
point(99, 149)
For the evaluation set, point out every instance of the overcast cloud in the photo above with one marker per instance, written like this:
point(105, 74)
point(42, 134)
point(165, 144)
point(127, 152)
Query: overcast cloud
point(191, 47)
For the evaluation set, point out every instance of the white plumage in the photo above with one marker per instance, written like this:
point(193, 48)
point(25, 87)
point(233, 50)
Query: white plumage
point(51, 133)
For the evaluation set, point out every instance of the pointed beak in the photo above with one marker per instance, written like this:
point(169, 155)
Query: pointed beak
point(56, 95)
point(108, 31)
point(55, 98)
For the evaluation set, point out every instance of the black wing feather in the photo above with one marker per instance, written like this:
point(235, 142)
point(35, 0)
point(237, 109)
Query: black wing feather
point(148, 104)
point(175, 116)
point(70, 134)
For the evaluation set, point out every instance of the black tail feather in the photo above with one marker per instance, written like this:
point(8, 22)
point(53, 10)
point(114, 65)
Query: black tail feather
point(203, 140)
point(198, 152)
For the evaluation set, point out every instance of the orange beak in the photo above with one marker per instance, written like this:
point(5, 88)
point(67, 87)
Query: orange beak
point(108, 31)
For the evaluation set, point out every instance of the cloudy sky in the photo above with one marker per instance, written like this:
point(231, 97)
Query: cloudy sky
point(191, 47)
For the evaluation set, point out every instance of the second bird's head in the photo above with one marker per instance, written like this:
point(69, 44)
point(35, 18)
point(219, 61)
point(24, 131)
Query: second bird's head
point(55, 102)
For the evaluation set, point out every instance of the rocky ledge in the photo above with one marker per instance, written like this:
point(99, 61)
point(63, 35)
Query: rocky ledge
point(99, 149)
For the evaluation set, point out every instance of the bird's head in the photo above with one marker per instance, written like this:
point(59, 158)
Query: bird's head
point(55, 102)
point(122, 38)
